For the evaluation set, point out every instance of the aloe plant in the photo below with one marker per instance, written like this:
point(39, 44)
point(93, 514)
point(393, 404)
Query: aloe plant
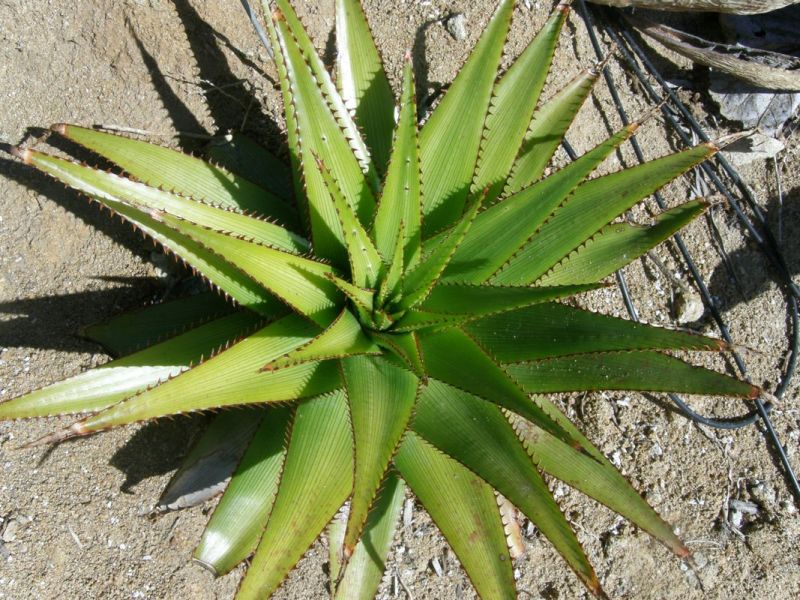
point(389, 307)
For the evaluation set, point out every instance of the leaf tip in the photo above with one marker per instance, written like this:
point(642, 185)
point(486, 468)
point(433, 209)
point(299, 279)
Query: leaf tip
point(564, 6)
point(74, 430)
point(59, 128)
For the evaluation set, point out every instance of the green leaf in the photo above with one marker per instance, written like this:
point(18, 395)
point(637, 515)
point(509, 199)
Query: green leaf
point(362, 80)
point(418, 282)
point(316, 480)
point(300, 282)
point(381, 398)
point(149, 325)
point(108, 384)
point(592, 474)
point(344, 337)
point(618, 244)
point(514, 99)
point(154, 202)
point(405, 346)
point(218, 271)
point(231, 378)
point(366, 566)
point(453, 357)
point(366, 264)
point(334, 100)
point(186, 175)
point(456, 123)
point(213, 458)
point(391, 283)
point(644, 371)
point(593, 205)
point(416, 321)
point(547, 129)
point(400, 203)
point(501, 229)
point(479, 300)
point(244, 156)
point(318, 131)
point(552, 329)
point(479, 437)
point(233, 532)
point(465, 511)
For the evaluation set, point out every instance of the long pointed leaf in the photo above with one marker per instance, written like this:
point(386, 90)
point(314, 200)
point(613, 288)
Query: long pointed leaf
point(406, 347)
point(465, 511)
point(547, 129)
point(495, 454)
point(231, 378)
point(645, 371)
point(108, 384)
point(362, 80)
point(401, 200)
point(233, 532)
point(450, 139)
point(593, 205)
point(365, 263)
point(157, 166)
point(381, 398)
point(552, 329)
point(500, 230)
point(514, 99)
point(318, 131)
point(366, 566)
point(618, 244)
point(316, 479)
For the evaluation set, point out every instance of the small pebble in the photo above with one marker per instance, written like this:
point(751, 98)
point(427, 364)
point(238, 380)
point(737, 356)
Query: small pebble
point(457, 26)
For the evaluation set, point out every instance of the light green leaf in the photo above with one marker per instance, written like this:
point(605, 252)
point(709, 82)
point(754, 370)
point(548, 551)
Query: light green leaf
point(300, 282)
point(316, 480)
point(318, 131)
point(645, 371)
point(501, 229)
point(418, 282)
point(547, 129)
point(552, 329)
point(362, 80)
point(231, 378)
point(149, 325)
point(406, 347)
point(618, 244)
point(400, 203)
point(513, 101)
point(108, 384)
point(186, 175)
point(233, 532)
point(450, 139)
point(366, 264)
point(381, 398)
point(391, 283)
point(465, 511)
point(218, 271)
point(593, 205)
point(366, 566)
point(344, 337)
point(479, 437)
point(244, 156)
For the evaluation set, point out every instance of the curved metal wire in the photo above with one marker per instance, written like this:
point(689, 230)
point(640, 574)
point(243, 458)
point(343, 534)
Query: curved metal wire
point(761, 235)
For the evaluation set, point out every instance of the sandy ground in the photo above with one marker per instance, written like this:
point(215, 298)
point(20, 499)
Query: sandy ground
point(73, 519)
